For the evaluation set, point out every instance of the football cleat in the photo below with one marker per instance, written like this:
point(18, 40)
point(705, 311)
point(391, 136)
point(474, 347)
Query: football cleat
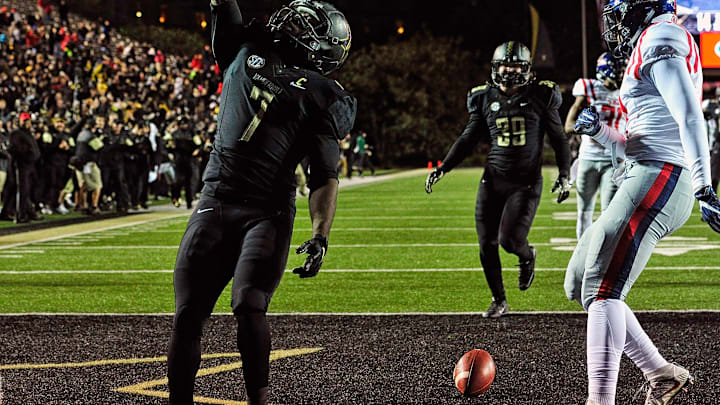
point(665, 383)
point(527, 271)
point(497, 309)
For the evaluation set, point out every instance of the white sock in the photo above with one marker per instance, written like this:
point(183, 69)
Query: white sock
point(638, 345)
point(605, 343)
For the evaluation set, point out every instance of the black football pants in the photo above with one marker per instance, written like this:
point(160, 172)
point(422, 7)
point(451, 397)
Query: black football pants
point(222, 242)
point(503, 214)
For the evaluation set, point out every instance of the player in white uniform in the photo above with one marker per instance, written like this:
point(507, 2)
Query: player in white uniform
point(667, 160)
point(594, 163)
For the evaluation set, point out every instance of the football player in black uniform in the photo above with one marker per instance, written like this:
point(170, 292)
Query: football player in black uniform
point(276, 107)
point(512, 114)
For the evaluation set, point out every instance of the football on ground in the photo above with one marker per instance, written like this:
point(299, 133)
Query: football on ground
point(474, 372)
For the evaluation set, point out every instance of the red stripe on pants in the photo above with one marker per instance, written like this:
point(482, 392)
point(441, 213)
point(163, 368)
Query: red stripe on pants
point(628, 235)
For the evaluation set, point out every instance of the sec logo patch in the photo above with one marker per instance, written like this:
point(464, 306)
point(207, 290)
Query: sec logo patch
point(256, 62)
point(495, 106)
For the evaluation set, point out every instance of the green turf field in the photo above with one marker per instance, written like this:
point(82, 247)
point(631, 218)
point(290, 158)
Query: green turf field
point(393, 248)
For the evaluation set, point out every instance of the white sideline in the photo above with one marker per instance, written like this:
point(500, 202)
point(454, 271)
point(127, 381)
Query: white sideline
point(447, 270)
point(355, 314)
point(54, 238)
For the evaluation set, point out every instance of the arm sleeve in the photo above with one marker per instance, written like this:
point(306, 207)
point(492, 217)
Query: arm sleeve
point(556, 133)
point(324, 156)
point(611, 140)
point(672, 79)
point(336, 120)
point(227, 27)
point(475, 131)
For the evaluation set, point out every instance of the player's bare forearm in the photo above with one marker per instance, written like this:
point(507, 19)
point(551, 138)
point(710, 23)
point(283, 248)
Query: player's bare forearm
point(322, 203)
point(579, 104)
point(226, 21)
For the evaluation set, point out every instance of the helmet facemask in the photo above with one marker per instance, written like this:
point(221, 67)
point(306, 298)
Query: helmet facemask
point(625, 20)
point(510, 76)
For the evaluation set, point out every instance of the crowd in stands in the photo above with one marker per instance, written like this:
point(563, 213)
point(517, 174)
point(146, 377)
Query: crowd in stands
point(92, 120)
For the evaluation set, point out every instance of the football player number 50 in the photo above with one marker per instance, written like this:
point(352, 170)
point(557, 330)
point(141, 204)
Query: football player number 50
point(513, 131)
point(265, 98)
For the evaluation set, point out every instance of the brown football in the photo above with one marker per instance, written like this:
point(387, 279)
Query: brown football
point(474, 372)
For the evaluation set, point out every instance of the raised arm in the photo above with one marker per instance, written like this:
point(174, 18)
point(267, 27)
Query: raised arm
point(227, 27)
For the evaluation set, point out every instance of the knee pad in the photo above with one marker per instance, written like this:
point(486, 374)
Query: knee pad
point(509, 244)
point(249, 299)
point(488, 247)
point(189, 322)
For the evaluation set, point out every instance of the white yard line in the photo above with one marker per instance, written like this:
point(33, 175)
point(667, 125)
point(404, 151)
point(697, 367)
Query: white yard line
point(447, 270)
point(539, 228)
point(356, 314)
point(336, 246)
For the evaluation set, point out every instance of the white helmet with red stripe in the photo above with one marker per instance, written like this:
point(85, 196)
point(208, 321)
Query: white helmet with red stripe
point(625, 20)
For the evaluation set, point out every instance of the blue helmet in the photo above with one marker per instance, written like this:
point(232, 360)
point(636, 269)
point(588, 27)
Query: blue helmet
point(625, 20)
point(610, 70)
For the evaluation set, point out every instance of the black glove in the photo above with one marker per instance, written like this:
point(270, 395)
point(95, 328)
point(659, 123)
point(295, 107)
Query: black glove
point(562, 186)
point(709, 206)
point(316, 249)
point(433, 178)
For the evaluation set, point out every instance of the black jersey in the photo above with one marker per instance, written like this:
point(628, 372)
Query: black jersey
point(515, 127)
point(271, 116)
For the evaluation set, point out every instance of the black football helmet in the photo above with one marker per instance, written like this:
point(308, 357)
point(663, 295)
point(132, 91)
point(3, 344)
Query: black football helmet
point(511, 54)
point(625, 20)
point(318, 31)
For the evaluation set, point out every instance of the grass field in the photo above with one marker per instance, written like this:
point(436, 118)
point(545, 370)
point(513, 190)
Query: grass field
point(393, 248)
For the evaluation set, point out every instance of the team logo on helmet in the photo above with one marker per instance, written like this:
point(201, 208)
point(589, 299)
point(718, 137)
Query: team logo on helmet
point(256, 62)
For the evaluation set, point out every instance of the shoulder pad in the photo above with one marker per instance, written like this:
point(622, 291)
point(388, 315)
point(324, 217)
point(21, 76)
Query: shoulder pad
point(483, 88)
point(549, 83)
point(663, 41)
point(343, 112)
point(549, 93)
point(580, 88)
point(332, 97)
point(475, 97)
